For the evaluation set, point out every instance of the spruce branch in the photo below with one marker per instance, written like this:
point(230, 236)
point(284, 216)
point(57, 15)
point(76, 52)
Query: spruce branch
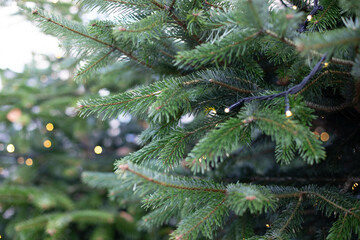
point(201, 221)
point(125, 167)
point(128, 54)
point(292, 214)
point(320, 76)
point(214, 6)
point(318, 196)
point(127, 3)
point(324, 108)
point(231, 87)
point(300, 48)
point(94, 64)
point(172, 3)
point(175, 18)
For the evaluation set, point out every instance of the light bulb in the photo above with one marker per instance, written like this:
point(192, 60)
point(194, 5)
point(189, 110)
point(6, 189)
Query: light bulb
point(294, 7)
point(49, 127)
point(309, 17)
point(98, 150)
point(288, 113)
point(10, 148)
point(29, 162)
point(47, 143)
point(227, 110)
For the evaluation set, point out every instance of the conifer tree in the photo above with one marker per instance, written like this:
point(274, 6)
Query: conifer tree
point(253, 118)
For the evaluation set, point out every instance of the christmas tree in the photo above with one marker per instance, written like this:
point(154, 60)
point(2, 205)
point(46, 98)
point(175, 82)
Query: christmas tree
point(253, 113)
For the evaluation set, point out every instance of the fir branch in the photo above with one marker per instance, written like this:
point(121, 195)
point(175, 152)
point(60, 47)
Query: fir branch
point(324, 108)
point(95, 63)
point(172, 3)
point(181, 237)
point(214, 6)
point(125, 167)
point(128, 54)
point(292, 214)
point(319, 77)
point(175, 18)
point(300, 48)
point(231, 87)
point(127, 3)
point(317, 195)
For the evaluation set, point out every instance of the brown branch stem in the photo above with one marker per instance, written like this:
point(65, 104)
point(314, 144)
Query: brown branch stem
point(231, 87)
point(125, 167)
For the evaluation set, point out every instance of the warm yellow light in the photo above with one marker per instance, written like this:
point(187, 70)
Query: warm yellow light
point(49, 127)
point(47, 143)
point(227, 110)
point(98, 150)
point(326, 64)
point(29, 162)
point(288, 113)
point(10, 148)
point(324, 136)
point(20, 160)
point(267, 225)
point(212, 112)
point(294, 7)
point(309, 17)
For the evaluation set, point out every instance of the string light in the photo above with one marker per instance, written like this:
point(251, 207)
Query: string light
point(288, 113)
point(49, 127)
point(267, 225)
point(29, 162)
point(326, 64)
point(291, 90)
point(294, 7)
point(313, 12)
point(98, 149)
point(10, 148)
point(210, 110)
point(47, 143)
point(354, 186)
point(324, 136)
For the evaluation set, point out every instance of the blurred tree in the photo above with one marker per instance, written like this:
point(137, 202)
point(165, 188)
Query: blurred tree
point(44, 148)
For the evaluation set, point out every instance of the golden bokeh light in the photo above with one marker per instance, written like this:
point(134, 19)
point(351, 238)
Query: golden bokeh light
point(98, 150)
point(47, 143)
point(324, 136)
point(29, 162)
point(49, 127)
point(10, 148)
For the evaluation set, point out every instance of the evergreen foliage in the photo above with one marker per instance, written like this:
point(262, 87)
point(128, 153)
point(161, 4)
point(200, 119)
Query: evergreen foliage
point(208, 55)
